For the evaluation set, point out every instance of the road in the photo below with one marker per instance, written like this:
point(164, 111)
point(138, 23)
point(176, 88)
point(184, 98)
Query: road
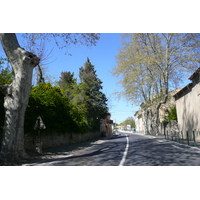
point(125, 149)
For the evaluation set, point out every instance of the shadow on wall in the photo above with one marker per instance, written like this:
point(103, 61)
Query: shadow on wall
point(189, 121)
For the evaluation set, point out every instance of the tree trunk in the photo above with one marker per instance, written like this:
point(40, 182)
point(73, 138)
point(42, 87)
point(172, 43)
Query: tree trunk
point(155, 124)
point(155, 120)
point(16, 98)
point(146, 122)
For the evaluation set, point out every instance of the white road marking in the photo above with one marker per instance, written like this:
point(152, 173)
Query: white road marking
point(125, 152)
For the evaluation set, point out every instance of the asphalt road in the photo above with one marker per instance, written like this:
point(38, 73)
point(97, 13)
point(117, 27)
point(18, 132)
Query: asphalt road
point(124, 149)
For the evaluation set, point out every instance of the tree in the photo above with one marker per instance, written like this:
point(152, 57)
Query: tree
point(17, 93)
point(96, 100)
point(54, 108)
point(79, 104)
point(151, 64)
point(75, 93)
point(39, 48)
point(128, 121)
point(6, 73)
point(67, 83)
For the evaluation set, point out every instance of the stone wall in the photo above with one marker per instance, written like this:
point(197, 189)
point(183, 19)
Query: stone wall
point(172, 127)
point(188, 106)
point(58, 139)
point(188, 109)
point(139, 123)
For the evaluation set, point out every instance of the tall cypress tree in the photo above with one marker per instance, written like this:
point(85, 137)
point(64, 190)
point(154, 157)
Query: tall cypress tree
point(96, 101)
point(67, 83)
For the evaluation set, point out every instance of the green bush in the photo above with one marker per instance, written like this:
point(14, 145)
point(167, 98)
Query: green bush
point(55, 109)
point(171, 114)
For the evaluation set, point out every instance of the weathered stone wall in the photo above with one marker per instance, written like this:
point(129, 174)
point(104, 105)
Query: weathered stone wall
point(172, 127)
point(58, 139)
point(139, 123)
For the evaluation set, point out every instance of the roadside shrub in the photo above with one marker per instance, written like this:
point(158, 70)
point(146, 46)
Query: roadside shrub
point(48, 102)
point(55, 109)
point(171, 114)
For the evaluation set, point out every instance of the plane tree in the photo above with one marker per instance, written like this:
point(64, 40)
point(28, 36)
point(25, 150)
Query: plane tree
point(17, 93)
point(151, 64)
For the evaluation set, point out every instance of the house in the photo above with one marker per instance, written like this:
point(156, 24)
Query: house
point(188, 106)
point(106, 126)
point(139, 123)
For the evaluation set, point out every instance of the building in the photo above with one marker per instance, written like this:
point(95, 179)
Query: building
point(106, 127)
point(188, 106)
point(139, 123)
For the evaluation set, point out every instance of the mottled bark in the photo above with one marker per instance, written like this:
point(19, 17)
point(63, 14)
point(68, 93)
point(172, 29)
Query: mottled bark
point(16, 98)
point(146, 117)
point(156, 115)
point(155, 121)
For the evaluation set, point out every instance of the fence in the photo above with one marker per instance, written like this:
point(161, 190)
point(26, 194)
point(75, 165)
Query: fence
point(189, 138)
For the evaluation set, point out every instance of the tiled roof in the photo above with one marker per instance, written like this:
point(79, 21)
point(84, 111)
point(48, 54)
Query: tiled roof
point(188, 87)
point(183, 90)
point(194, 74)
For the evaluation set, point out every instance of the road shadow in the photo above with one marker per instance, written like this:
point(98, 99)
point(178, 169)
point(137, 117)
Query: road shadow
point(154, 152)
point(116, 136)
point(64, 153)
point(142, 151)
point(98, 155)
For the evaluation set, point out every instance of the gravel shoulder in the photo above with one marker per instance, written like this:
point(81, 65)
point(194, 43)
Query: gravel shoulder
point(60, 151)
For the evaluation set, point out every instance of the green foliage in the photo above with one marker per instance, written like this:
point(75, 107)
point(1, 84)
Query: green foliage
point(71, 107)
point(95, 100)
point(6, 73)
point(67, 83)
point(54, 108)
point(128, 121)
point(74, 92)
point(152, 63)
point(171, 114)
point(87, 101)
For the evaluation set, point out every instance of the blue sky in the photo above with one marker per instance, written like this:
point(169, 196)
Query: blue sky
point(102, 56)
